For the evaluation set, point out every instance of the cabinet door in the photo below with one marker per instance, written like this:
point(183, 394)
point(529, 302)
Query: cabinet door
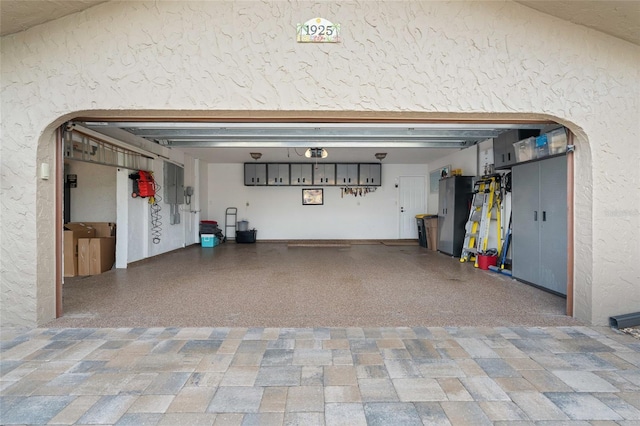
point(500, 151)
point(445, 215)
point(369, 174)
point(346, 174)
point(278, 174)
point(375, 174)
point(301, 174)
point(526, 216)
point(324, 174)
point(255, 174)
point(352, 173)
point(329, 174)
point(363, 176)
point(318, 174)
point(553, 224)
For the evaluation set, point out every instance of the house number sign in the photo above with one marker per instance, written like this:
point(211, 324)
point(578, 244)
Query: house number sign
point(318, 30)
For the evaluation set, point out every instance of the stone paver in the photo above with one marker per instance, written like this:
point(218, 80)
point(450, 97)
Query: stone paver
point(288, 376)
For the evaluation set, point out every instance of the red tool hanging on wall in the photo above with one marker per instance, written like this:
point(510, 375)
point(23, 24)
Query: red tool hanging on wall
point(143, 184)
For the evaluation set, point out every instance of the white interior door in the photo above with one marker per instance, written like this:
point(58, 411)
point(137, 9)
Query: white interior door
point(411, 201)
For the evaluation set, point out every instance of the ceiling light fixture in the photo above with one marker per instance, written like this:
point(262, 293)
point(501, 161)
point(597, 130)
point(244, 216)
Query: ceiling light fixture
point(381, 155)
point(256, 155)
point(316, 153)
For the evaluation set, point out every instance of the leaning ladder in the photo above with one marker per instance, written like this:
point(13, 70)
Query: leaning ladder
point(486, 201)
point(230, 213)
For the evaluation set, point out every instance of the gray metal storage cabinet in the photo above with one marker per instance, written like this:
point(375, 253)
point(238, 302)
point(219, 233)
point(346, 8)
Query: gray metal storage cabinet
point(539, 229)
point(255, 174)
point(453, 211)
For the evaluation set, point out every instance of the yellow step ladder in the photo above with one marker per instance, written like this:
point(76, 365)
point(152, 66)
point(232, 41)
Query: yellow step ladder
point(485, 206)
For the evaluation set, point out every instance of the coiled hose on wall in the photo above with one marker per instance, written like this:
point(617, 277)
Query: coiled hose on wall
point(154, 209)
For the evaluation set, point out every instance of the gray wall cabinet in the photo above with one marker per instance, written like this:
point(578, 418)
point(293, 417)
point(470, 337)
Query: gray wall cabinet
point(306, 174)
point(369, 174)
point(278, 174)
point(255, 174)
point(346, 174)
point(454, 195)
point(539, 229)
point(324, 174)
point(301, 174)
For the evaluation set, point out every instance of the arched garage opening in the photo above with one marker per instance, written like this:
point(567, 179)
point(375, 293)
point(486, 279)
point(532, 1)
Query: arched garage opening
point(386, 118)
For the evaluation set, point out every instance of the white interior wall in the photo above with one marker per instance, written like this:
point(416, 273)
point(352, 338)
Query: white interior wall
point(202, 195)
point(94, 199)
point(139, 235)
point(465, 159)
point(277, 212)
point(189, 212)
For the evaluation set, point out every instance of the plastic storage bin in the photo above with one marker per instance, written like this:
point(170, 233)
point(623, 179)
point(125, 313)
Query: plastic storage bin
point(542, 146)
point(208, 240)
point(246, 236)
point(524, 149)
point(557, 141)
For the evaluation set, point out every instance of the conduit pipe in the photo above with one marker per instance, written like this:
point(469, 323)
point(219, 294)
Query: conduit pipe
point(570, 222)
point(624, 321)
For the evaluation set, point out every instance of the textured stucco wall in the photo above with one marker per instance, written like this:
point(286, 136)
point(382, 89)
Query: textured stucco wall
point(429, 59)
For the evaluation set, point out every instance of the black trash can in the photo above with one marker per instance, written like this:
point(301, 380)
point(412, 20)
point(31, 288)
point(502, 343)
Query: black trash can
point(422, 233)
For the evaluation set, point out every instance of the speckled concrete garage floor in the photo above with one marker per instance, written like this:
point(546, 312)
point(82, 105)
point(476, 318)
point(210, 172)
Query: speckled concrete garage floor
point(276, 285)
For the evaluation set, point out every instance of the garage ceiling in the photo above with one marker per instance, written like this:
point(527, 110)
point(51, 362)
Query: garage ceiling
point(232, 142)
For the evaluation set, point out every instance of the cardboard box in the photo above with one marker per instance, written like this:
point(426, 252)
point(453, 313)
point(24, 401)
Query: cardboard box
point(431, 225)
point(71, 234)
point(96, 255)
point(72, 252)
point(103, 229)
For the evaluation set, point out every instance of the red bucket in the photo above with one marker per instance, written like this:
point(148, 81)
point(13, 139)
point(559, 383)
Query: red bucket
point(485, 261)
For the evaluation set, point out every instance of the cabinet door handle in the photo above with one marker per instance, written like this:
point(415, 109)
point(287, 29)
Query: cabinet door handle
point(509, 156)
point(503, 158)
point(544, 216)
point(535, 215)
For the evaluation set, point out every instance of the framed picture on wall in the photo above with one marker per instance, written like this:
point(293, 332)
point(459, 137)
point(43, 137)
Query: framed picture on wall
point(436, 175)
point(312, 197)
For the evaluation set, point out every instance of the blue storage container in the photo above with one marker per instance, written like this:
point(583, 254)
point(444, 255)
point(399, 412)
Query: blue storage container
point(208, 240)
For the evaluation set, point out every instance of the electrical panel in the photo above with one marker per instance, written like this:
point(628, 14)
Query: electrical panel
point(173, 184)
